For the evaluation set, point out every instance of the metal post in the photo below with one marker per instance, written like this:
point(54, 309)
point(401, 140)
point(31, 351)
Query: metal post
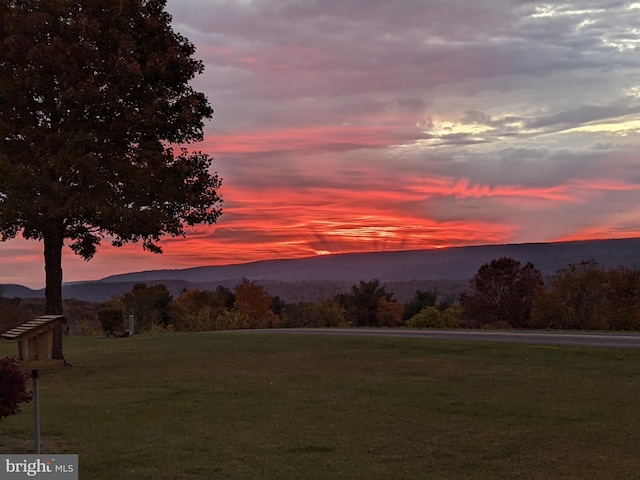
point(36, 413)
point(131, 324)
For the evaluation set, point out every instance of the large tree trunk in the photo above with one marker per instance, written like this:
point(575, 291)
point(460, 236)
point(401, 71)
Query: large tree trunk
point(53, 242)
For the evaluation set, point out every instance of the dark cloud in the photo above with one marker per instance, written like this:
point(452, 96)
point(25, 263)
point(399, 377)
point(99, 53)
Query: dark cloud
point(587, 113)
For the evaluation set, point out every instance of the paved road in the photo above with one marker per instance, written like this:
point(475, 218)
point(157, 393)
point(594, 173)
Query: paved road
point(587, 339)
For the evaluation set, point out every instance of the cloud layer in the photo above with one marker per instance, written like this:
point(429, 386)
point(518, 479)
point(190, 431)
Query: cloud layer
point(375, 125)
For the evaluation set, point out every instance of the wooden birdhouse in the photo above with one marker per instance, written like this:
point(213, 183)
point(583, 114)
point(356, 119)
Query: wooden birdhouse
point(35, 342)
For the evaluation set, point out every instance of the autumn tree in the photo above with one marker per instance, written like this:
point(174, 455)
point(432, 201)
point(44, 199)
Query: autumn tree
point(325, 313)
point(329, 313)
point(253, 306)
point(623, 299)
point(389, 313)
point(584, 296)
point(94, 97)
point(502, 293)
point(200, 310)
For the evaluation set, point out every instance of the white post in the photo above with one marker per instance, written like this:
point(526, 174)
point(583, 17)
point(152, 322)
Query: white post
point(131, 324)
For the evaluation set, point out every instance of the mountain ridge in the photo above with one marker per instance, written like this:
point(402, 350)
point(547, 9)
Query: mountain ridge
point(329, 273)
point(406, 264)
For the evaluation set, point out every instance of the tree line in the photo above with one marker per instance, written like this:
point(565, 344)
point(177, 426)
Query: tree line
point(503, 294)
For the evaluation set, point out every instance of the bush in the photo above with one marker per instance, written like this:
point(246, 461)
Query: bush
point(329, 313)
point(199, 310)
point(431, 317)
point(111, 320)
point(451, 317)
point(419, 301)
point(13, 387)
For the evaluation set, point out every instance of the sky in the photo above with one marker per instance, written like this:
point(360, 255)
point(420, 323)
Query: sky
point(370, 125)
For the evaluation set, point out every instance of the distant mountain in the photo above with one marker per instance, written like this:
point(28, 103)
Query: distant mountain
point(11, 290)
point(444, 264)
point(309, 278)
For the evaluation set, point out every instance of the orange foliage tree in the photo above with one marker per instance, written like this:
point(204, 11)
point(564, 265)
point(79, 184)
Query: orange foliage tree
point(253, 306)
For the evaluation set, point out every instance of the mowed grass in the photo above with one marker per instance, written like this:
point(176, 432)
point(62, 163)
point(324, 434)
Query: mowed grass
point(253, 406)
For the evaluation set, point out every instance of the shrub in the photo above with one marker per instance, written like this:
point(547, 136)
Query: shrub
point(112, 320)
point(431, 317)
point(451, 317)
point(13, 387)
point(428, 317)
point(329, 313)
point(419, 301)
point(198, 310)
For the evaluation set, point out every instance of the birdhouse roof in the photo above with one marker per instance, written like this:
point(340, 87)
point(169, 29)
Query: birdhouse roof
point(34, 327)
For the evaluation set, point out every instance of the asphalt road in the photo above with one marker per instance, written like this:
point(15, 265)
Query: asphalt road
point(586, 339)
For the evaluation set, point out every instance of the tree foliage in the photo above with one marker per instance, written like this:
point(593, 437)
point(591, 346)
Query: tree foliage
point(13, 387)
point(422, 299)
point(253, 305)
point(11, 314)
point(431, 317)
point(361, 304)
point(325, 313)
point(389, 313)
point(623, 299)
point(583, 296)
point(93, 96)
point(200, 310)
point(502, 293)
point(112, 319)
point(148, 304)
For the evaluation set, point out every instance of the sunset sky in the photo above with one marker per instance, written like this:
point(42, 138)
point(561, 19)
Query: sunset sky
point(369, 125)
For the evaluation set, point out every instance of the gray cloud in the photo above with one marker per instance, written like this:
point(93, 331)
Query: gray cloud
point(587, 113)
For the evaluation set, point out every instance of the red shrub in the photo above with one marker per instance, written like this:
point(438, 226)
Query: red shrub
point(13, 387)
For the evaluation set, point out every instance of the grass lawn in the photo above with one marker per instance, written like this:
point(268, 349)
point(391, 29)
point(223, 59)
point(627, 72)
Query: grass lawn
point(250, 406)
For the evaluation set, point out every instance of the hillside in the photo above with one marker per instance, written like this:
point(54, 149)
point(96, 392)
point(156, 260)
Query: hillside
point(445, 264)
point(314, 277)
